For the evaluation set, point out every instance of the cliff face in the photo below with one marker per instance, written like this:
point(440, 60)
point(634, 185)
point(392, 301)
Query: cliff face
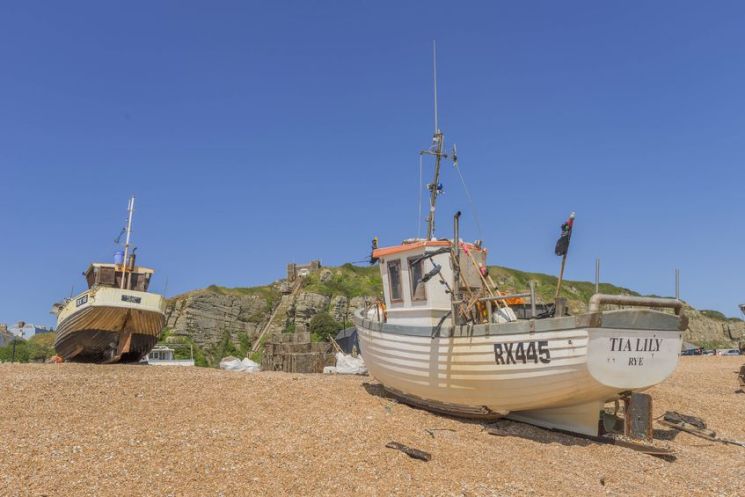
point(206, 316)
point(709, 331)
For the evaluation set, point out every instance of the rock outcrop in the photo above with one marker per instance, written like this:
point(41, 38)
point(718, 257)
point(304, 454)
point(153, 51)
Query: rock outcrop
point(206, 316)
point(306, 306)
point(706, 330)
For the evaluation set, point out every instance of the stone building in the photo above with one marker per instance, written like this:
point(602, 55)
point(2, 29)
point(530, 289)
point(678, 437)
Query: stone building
point(295, 271)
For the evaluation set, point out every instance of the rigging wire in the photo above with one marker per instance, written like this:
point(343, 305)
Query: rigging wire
point(470, 200)
point(419, 195)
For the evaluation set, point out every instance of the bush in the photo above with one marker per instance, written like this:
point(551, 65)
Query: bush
point(223, 349)
point(41, 347)
point(22, 353)
point(245, 344)
point(322, 326)
point(714, 314)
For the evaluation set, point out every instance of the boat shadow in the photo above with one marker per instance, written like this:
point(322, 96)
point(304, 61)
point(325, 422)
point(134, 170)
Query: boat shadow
point(500, 427)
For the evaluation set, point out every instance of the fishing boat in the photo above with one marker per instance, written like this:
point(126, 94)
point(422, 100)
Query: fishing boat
point(445, 338)
point(116, 319)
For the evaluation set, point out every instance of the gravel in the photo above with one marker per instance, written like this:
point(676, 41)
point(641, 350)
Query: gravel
point(81, 430)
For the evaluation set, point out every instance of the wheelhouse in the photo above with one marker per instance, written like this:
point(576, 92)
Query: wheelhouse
point(110, 275)
point(418, 279)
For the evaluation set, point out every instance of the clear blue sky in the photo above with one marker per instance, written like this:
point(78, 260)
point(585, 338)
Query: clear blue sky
point(258, 133)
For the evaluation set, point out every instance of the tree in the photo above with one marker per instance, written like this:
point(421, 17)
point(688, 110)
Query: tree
point(21, 351)
point(41, 347)
point(322, 326)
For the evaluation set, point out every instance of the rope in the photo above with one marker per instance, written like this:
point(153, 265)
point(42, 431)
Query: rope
point(419, 195)
point(470, 201)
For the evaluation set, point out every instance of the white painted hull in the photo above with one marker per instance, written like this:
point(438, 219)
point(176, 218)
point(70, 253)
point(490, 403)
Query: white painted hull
point(462, 374)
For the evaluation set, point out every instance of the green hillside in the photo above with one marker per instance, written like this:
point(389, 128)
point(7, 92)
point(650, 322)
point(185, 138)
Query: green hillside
point(576, 292)
point(359, 281)
point(348, 280)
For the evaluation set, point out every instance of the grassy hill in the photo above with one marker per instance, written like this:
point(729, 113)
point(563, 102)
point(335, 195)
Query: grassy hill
point(358, 281)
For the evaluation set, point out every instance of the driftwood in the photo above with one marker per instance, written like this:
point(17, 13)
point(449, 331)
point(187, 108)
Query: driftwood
point(694, 426)
point(414, 453)
point(431, 431)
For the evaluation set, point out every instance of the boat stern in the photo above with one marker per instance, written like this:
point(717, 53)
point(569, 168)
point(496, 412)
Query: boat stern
point(634, 349)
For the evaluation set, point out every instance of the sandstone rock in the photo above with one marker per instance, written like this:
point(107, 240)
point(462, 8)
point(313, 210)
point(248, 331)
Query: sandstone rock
point(206, 316)
point(339, 309)
point(306, 306)
point(326, 275)
point(704, 329)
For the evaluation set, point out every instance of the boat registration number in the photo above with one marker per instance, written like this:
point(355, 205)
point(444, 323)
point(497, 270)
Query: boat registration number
point(131, 299)
point(522, 352)
point(82, 300)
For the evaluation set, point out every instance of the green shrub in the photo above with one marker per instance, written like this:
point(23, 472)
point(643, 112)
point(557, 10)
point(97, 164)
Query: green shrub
point(41, 347)
point(322, 326)
point(245, 344)
point(714, 314)
point(21, 351)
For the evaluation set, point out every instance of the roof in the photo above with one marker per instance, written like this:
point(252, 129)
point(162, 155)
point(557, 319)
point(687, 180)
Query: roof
point(137, 269)
point(416, 245)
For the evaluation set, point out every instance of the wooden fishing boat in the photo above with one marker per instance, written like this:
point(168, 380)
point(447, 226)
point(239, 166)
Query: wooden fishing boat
point(116, 319)
point(446, 339)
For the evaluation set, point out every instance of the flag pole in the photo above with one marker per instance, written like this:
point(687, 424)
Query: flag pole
point(562, 248)
point(561, 276)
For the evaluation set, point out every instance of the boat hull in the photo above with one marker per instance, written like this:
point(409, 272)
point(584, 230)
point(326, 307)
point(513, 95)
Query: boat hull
point(554, 366)
point(109, 325)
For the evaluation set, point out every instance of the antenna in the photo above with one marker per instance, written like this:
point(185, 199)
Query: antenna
point(435, 188)
point(434, 77)
point(130, 209)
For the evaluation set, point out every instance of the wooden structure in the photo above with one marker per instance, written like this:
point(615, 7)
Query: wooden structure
point(295, 353)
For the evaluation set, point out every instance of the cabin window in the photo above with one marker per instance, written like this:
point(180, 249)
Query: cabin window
point(106, 276)
point(416, 271)
point(394, 280)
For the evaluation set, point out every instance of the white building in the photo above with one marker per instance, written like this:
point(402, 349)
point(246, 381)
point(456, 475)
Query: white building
point(27, 330)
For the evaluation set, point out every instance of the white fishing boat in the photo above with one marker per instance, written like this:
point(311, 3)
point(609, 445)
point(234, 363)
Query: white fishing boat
point(446, 339)
point(163, 355)
point(116, 319)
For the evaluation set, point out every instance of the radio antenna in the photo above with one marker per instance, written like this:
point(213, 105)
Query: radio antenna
point(130, 211)
point(435, 188)
point(434, 77)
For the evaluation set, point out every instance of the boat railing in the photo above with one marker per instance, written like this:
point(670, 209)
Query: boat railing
point(599, 299)
point(505, 296)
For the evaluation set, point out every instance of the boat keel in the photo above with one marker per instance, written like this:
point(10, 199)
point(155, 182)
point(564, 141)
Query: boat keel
point(581, 418)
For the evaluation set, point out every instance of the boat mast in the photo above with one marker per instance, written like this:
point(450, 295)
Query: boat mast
point(130, 209)
point(437, 143)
